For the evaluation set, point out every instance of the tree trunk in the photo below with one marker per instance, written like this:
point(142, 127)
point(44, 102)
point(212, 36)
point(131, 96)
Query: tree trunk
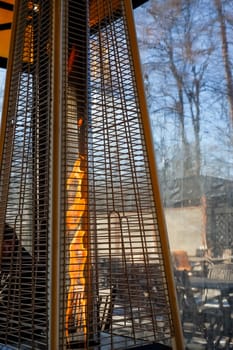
point(225, 55)
point(187, 163)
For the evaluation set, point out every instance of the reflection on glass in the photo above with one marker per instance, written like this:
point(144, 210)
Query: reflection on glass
point(187, 56)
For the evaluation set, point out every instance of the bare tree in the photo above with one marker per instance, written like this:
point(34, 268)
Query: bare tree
point(181, 57)
point(225, 53)
point(187, 67)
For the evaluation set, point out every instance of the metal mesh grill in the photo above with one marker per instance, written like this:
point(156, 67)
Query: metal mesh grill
point(129, 262)
point(24, 183)
point(109, 287)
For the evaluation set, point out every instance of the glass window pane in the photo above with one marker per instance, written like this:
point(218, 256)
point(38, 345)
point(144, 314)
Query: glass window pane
point(186, 51)
point(2, 86)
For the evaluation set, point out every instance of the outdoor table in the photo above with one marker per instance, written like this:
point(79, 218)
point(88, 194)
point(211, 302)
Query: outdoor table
point(224, 286)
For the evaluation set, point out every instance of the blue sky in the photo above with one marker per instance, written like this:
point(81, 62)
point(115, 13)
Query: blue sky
point(2, 83)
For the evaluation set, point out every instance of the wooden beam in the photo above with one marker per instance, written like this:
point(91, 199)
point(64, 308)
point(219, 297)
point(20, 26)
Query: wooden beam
point(6, 6)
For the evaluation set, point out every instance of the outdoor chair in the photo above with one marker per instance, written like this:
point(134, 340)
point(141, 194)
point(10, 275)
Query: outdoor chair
point(201, 319)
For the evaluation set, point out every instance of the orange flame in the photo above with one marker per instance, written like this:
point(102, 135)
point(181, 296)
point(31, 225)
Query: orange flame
point(76, 298)
point(71, 60)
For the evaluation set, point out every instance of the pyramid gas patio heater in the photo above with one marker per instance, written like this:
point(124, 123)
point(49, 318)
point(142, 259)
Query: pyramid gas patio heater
point(85, 260)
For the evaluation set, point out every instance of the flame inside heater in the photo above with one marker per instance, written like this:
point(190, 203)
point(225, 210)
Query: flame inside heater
point(76, 311)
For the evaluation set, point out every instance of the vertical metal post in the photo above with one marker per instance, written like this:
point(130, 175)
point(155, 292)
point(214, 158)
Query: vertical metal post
point(55, 212)
point(178, 341)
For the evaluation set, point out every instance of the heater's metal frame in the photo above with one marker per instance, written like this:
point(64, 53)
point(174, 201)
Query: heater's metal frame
point(155, 183)
point(56, 176)
point(56, 179)
point(4, 115)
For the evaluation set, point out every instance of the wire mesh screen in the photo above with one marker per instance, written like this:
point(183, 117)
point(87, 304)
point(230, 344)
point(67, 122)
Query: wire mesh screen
point(112, 290)
point(124, 231)
point(24, 183)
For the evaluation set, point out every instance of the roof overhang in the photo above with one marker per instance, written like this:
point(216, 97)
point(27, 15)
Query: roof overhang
point(6, 17)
